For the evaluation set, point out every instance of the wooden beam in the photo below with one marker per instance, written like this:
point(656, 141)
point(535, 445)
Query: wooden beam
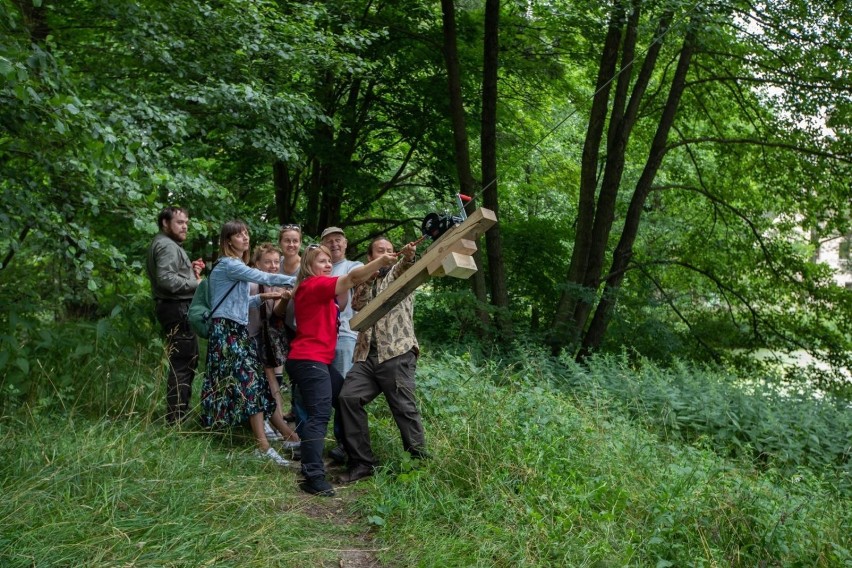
point(475, 225)
point(458, 265)
point(462, 246)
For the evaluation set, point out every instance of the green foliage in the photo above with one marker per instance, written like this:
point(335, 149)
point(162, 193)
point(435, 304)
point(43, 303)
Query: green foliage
point(53, 366)
point(445, 312)
point(781, 426)
point(523, 473)
point(336, 113)
point(522, 476)
point(148, 103)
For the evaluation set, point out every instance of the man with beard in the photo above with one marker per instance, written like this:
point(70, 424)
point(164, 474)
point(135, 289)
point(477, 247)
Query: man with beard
point(173, 282)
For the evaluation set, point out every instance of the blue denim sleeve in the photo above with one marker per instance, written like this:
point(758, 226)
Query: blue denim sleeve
point(238, 271)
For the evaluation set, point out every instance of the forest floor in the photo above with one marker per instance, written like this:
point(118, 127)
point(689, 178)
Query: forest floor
point(522, 473)
point(337, 511)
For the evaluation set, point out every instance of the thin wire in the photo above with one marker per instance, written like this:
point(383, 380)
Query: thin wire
point(605, 85)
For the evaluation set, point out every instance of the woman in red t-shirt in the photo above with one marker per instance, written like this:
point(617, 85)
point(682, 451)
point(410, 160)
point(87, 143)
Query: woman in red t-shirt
point(318, 298)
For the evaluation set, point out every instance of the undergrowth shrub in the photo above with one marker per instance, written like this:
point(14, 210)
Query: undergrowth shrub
point(754, 419)
point(522, 475)
point(96, 368)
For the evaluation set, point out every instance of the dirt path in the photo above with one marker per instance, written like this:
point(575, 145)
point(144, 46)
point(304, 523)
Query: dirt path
point(361, 551)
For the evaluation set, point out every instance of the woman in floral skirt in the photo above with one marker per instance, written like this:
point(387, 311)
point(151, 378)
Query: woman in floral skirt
point(235, 389)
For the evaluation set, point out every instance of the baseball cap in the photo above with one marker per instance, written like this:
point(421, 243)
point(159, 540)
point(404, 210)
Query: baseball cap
point(330, 231)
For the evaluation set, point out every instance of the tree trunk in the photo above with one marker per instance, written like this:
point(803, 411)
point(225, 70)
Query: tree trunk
point(460, 144)
point(624, 250)
point(562, 325)
point(614, 165)
point(621, 125)
point(35, 20)
point(451, 58)
point(313, 190)
point(285, 193)
point(493, 241)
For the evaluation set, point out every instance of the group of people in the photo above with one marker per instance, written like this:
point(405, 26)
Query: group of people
point(283, 306)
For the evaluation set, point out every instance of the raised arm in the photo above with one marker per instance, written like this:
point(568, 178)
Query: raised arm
point(363, 273)
point(239, 271)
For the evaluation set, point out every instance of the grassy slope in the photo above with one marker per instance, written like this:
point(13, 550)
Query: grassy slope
point(521, 476)
point(115, 492)
point(525, 477)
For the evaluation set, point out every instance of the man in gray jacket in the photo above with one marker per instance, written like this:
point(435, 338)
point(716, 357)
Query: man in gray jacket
point(173, 282)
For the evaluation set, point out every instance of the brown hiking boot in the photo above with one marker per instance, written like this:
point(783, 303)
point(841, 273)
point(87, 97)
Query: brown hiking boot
point(360, 471)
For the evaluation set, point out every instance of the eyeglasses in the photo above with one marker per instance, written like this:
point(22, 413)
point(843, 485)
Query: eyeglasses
point(292, 227)
point(312, 247)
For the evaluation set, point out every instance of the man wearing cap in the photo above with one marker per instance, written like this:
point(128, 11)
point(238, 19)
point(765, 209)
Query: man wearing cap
point(334, 239)
point(173, 282)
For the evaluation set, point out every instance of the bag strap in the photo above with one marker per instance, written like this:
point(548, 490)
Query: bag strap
point(226, 293)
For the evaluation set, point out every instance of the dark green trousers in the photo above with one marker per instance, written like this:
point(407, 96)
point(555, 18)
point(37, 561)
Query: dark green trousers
point(365, 381)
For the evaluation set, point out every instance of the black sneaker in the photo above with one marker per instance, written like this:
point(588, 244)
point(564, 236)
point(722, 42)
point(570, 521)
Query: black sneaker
point(420, 455)
point(317, 486)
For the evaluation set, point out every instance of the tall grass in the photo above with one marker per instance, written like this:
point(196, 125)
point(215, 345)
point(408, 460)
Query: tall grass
point(523, 476)
point(90, 476)
point(535, 463)
point(118, 493)
point(758, 418)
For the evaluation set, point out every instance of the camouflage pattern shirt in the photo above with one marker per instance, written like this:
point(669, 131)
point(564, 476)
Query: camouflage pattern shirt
point(394, 332)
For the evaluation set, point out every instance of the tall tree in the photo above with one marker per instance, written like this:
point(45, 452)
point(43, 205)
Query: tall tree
point(624, 250)
point(111, 110)
point(460, 144)
point(369, 161)
point(488, 140)
point(715, 47)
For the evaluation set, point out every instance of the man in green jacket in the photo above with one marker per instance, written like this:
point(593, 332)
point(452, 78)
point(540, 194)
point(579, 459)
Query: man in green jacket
point(173, 282)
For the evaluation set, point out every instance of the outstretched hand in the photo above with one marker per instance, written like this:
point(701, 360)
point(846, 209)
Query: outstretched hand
point(278, 294)
point(408, 250)
point(387, 259)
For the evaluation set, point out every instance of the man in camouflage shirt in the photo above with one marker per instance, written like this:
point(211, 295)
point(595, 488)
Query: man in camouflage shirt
point(385, 361)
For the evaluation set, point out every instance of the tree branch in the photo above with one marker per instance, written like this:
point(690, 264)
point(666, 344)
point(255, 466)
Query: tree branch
point(12, 250)
point(721, 286)
point(680, 315)
point(767, 143)
point(716, 200)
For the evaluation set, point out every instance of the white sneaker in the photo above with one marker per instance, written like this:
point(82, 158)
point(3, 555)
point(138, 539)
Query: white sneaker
point(291, 445)
point(271, 455)
point(272, 434)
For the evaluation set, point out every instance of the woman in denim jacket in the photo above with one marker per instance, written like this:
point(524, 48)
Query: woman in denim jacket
point(235, 388)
